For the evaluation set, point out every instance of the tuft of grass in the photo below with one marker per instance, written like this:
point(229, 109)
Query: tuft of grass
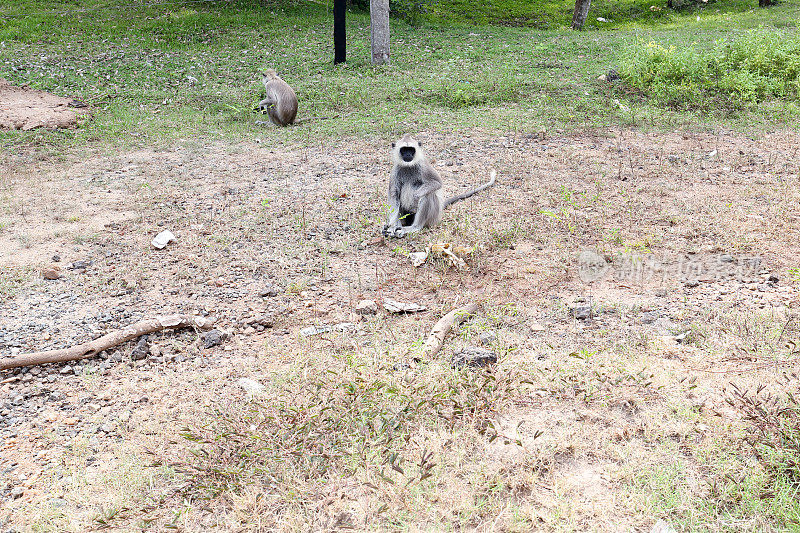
point(350, 420)
point(13, 279)
point(733, 73)
point(774, 431)
point(794, 275)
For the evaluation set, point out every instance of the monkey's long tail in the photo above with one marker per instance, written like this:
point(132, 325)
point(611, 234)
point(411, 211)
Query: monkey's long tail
point(466, 195)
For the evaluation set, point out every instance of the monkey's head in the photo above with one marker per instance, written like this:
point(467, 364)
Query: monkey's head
point(269, 74)
point(407, 151)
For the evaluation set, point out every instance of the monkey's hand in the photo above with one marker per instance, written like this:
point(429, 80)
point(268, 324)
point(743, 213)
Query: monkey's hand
point(390, 229)
point(265, 105)
point(400, 232)
point(395, 231)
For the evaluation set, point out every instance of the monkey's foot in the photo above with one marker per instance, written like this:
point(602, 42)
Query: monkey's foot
point(391, 231)
point(399, 233)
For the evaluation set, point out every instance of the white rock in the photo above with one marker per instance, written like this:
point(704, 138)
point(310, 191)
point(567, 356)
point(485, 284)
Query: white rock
point(418, 258)
point(394, 306)
point(662, 526)
point(251, 386)
point(316, 330)
point(162, 239)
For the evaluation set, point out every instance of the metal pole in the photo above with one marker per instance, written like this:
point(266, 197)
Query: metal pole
point(339, 37)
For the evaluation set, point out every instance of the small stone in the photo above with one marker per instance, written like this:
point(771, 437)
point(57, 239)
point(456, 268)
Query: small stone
point(106, 427)
point(473, 356)
point(155, 351)
point(662, 526)
point(310, 331)
point(683, 337)
point(487, 337)
point(56, 258)
point(124, 416)
point(269, 291)
point(692, 283)
point(142, 349)
point(266, 320)
point(162, 239)
point(80, 265)
point(580, 311)
point(17, 492)
point(56, 396)
point(251, 386)
point(394, 306)
point(66, 370)
point(52, 272)
point(648, 317)
point(367, 307)
point(212, 338)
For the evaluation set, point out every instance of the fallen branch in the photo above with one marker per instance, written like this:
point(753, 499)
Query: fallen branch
point(115, 338)
point(435, 340)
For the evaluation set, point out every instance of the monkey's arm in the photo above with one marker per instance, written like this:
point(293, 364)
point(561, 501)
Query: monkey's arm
point(427, 188)
point(431, 182)
point(267, 103)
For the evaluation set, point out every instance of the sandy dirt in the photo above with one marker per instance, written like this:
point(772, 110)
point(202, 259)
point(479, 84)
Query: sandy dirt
point(23, 108)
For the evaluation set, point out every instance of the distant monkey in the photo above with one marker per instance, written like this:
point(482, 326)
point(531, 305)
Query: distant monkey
point(415, 190)
point(281, 102)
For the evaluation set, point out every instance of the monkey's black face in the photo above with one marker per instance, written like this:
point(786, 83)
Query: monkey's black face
point(407, 153)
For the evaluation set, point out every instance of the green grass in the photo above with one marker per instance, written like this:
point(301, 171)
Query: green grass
point(750, 68)
point(558, 14)
point(189, 70)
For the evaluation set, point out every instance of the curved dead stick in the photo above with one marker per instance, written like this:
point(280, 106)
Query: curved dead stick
point(435, 340)
point(92, 348)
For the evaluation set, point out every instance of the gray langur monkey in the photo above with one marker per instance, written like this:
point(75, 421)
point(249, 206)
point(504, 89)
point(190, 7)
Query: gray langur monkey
point(415, 190)
point(281, 102)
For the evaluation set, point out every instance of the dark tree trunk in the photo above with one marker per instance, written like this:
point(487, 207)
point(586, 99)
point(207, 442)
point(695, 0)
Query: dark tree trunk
point(765, 3)
point(339, 40)
point(581, 12)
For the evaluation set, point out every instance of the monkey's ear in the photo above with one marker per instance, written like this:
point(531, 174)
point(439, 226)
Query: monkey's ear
point(392, 145)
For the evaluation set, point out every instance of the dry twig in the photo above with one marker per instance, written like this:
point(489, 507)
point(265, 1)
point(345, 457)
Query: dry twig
point(435, 340)
point(92, 348)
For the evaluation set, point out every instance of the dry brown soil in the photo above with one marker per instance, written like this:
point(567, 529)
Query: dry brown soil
point(23, 108)
point(718, 210)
